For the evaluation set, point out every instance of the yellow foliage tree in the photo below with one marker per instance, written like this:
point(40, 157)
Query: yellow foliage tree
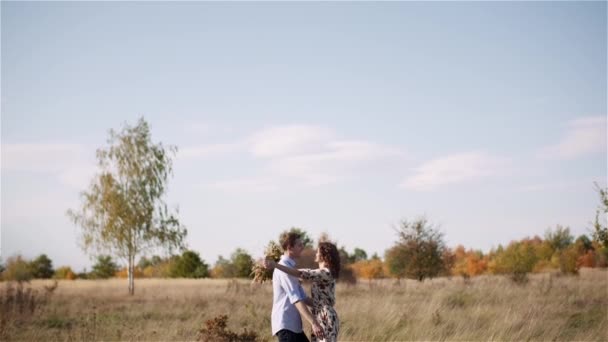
point(64, 272)
point(369, 269)
point(124, 273)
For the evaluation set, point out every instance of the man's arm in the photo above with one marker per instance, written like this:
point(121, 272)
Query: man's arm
point(304, 312)
point(308, 301)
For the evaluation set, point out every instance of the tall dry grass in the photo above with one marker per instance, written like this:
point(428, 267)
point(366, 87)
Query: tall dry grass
point(548, 307)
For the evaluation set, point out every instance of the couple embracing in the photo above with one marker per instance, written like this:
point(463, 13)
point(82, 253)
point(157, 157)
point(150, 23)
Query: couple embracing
point(290, 302)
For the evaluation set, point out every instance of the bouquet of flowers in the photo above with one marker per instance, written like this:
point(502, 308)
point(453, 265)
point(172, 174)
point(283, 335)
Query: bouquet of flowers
point(259, 272)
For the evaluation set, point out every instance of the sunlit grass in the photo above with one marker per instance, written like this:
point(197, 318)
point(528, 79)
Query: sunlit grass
point(548, 307)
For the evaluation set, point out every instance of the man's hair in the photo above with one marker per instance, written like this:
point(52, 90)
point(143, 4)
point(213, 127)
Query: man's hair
point(289, 240)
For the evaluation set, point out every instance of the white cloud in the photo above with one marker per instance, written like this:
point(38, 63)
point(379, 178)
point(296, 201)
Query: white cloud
point(453, 169)
point(584, 136)
point(244, 185)
point(71, 164)
point(361, 151)
point(199, 127)
point(207, 151)
point(300, 154)
point(289, 140)
point(40, 157)
point(557, 186)
point(346, 151)
point(310, 170)
point(45, 205)
point(206, 129)
point(78, 176)
point(337, 161)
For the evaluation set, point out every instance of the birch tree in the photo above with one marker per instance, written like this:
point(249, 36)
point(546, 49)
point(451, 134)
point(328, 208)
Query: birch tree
point(123, 212)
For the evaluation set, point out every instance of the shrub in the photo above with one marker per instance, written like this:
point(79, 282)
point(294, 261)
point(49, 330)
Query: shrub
point(368, 269)
point(215, 331)
point(568, 261)
point(419, 252)
point(587, 259)
point(104, 267)
point(601, 259)
point(64, 272)
point(517, 260)
point(124, 273)
point(17, 269)
point(18, 305)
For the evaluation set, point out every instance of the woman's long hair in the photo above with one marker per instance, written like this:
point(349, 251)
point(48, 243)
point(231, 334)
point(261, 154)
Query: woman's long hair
point(331, 257)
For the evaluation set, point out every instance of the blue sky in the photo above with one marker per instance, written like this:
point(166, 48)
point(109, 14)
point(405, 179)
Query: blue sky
point(488, 118)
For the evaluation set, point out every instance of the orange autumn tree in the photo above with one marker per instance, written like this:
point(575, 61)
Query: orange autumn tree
point(369, 269)
point(459, 255)
point(469, 263)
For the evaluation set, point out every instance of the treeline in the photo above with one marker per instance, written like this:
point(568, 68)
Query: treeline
point(419, 252)
point(422, 255)
point(186, 265)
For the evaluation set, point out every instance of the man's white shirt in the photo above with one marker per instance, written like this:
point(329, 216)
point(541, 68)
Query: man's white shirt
point(286, 291)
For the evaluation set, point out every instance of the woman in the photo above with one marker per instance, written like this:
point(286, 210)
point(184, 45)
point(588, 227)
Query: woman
point(323, 288)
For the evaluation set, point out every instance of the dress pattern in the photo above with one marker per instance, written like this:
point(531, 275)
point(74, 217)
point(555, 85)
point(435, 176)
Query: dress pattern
point(323, 292)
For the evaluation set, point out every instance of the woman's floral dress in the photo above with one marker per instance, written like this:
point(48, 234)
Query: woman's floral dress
point(323, 299)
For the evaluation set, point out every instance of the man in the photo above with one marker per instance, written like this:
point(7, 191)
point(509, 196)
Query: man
point(289, 299)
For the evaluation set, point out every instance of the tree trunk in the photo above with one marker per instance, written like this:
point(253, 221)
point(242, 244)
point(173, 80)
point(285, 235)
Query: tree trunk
point(130, 272)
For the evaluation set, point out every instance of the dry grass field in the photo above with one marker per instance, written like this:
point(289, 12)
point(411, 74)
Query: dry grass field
point(548, 307)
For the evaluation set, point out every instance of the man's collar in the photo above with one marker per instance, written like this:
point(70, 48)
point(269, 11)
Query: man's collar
point(288, 260)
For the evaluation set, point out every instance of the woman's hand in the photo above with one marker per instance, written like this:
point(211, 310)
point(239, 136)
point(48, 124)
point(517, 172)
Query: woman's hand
point(269, 264)
point(317, 330)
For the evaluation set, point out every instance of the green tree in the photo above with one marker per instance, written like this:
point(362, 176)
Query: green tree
point(144, 262)
point(242, 262)
point(600, 233)
point(518, 259)
point(189, 265)
point(345, 258)
point(223, 268)
point(83, 275)
point(420, 248)
point(358, 255)
point(104, 268)
point(42, 267)
point(396, 259)
point(17, 269)
point(560, 238)
point(123, 212)
point(583, 243)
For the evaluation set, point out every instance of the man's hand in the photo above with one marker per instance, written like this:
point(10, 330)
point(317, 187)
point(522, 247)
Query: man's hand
point(317, 330)
point(304, 312)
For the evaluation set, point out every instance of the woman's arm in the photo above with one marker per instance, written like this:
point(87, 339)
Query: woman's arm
point(291, 271)
point(270, 264)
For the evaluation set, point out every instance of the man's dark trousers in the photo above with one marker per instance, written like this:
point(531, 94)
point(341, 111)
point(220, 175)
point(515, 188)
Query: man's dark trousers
point(290, 336)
